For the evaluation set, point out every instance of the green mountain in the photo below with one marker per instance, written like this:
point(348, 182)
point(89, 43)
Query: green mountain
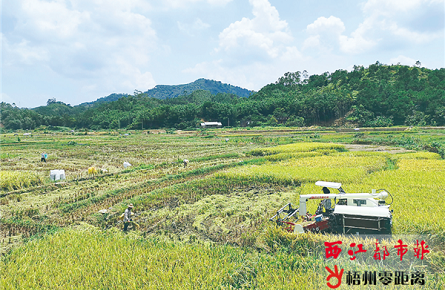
point(164, 92)
point(107, 99)
point(214, 87)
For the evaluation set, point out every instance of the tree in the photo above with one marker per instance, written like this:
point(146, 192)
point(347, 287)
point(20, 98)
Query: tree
point(280, 114)
point(295, 121)
point(290, 79)
point(13, 124)
point(51, 101)
point(360, 115)
point(28, 123)
point(272, 121)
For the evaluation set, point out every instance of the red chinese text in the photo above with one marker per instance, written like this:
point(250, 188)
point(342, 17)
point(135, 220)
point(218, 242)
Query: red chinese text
point(332, 250)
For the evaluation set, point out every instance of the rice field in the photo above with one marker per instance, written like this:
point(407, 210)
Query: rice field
point(12, 180)
point(204, 225)
point(91, 259)
point(298, 147)
point(302, 170)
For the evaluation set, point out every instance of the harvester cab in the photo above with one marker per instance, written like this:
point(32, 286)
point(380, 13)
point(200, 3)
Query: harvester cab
point(340, 213)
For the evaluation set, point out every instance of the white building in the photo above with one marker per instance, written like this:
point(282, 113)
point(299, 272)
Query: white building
point(211, 125)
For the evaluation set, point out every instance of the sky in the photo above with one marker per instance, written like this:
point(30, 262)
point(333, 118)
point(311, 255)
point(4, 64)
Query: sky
point(80, 50)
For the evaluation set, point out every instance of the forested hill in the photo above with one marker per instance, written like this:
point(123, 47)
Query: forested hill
point(379, 95)
point(166, 92)
point(172, 91)
point(107, 99)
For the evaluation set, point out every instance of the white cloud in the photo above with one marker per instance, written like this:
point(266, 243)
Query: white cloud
point(359, 41)
point(322, 25)
point(265, 31)
point(95, 43)
point(327, 33)
point(51, 18)
point(384, 22)
point(407, 19)
point(413, 36)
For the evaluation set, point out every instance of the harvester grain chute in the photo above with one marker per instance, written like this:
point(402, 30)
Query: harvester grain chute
point(341, 213)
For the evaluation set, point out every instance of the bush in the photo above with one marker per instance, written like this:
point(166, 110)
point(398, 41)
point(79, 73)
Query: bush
point(295, 121)
point(416, 119)
point(272, 121)
point(380, 121)
point(435, 147)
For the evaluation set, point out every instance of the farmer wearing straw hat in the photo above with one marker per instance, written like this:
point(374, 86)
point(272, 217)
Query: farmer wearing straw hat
point(127, 216)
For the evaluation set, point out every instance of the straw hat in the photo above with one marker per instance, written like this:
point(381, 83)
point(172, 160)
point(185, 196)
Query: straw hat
point(130, 205)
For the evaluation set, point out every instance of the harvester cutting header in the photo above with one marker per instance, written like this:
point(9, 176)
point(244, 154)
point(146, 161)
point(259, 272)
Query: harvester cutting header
point(341, 213)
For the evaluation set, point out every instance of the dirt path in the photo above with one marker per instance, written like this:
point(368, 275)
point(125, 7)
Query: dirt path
point(389, 149)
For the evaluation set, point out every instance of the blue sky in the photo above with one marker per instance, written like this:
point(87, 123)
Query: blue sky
point(80, 50)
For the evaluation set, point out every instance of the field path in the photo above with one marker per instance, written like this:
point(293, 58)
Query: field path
point(377, 148)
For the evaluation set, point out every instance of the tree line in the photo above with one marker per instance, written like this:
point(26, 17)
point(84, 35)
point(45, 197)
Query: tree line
point(379, 95)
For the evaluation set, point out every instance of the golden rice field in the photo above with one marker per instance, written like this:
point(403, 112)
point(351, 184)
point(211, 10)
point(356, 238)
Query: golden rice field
point(12, 180)
point(90, 259)
point(421, 165)
point(420, 155)
point(298, 147)
point(283, 156)
point(206, 225)
point(300, 170)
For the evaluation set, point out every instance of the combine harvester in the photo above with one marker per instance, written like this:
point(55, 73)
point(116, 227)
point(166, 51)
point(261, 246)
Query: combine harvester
point(349, 213)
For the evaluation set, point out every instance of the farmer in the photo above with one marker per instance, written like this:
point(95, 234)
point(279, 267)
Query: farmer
point(43, 157)
point(185, 163)
point(127, 216)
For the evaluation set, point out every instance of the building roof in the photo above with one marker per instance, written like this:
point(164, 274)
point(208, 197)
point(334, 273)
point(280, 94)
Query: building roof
point(211, 124)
